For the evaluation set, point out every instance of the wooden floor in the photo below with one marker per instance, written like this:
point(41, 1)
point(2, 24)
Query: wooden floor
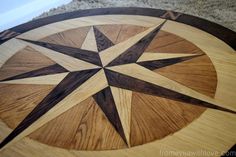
point(103, 83)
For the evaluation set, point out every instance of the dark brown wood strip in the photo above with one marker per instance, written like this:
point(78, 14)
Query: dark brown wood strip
point(84, 55)
point(106, 102)
point(103, 42)
point(134, 84)
point(134, 52)
point(53, 69)
point(152, 65)
point(64, 88)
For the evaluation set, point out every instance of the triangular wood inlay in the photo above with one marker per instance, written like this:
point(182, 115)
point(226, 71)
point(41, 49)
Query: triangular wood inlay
point(72, 38)
point(123, 98)
point(89, 42)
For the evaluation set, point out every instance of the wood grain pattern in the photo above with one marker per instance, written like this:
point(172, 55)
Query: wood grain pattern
point(63, 89)
point(111, 53)
point(22, 101)
point(25, 60)
point(73, 38)
point(111, 31)
point(90, 42)
point(153, 83)
point(218, 52)
point(103, 42)
point(198, 74)
point(154, 117)
point(106, 102)
point(83, 55)
point(211, 130)
point(68, 62)
point(148, 56)
point(169, 43)
point(133, 52)
point(53, 79)
point(152, 65)
point(120, 32)
point(89, 129)
point(122, 98)
point(55, 68)
point(68, 102)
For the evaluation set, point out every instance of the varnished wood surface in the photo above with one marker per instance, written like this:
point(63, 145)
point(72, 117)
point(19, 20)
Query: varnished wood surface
point(121, 83)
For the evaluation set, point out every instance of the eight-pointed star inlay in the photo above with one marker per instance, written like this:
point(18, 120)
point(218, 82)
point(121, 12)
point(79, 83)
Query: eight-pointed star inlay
point(83, 73)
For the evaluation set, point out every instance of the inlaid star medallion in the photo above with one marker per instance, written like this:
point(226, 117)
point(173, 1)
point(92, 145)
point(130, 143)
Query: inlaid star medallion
point(91, 86)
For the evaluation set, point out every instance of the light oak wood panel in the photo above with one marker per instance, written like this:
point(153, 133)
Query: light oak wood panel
point(149, 56)
point(197, 73)
point(154, 117)
point(68, 62)
point(23, 99)
point(53, 79)
point(123, 98)
point(23, 61)
point(73, 37)
point(90, 41)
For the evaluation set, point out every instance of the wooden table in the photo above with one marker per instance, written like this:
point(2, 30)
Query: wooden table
point(117, 82)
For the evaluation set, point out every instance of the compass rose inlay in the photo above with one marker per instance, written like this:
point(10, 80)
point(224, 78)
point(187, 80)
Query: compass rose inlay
point(108, 72)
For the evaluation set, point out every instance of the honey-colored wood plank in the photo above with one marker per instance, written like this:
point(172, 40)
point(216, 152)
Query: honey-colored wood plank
point(154, 117)
point(198, 74)
point(166, 42)
point(23, 99)
point(122, 98)
point(90, 41)
point(73, 38)
point(23, 61)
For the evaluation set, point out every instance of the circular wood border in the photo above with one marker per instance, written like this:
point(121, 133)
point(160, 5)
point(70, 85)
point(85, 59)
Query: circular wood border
point(227, 35)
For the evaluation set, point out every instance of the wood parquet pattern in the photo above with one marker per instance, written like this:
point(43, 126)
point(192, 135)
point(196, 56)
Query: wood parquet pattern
point(115, 83)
